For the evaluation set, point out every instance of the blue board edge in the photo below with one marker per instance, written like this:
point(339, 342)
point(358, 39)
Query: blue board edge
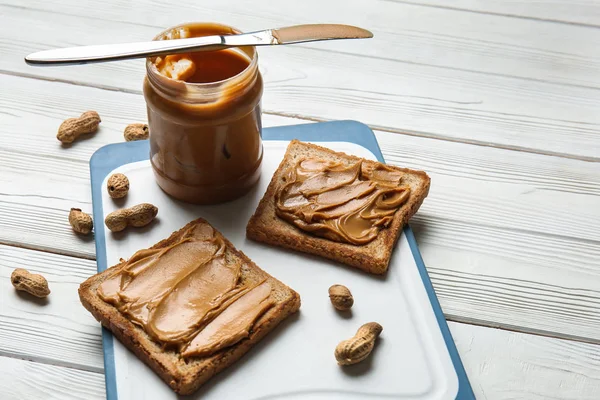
point(112, 156)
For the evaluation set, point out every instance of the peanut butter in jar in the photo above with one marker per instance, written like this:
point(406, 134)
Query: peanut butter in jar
point(204, 119)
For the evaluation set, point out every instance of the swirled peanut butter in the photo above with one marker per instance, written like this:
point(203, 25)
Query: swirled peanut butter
point(178, 292)
point(344, 203)
point(231, 325)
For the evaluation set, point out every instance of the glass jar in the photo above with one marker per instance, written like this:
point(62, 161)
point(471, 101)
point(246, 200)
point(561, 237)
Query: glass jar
point(205, 132)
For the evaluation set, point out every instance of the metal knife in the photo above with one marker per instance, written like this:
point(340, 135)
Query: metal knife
point(124, 51)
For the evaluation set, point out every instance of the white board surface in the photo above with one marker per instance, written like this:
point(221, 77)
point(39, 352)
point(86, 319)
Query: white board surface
point(296, 361)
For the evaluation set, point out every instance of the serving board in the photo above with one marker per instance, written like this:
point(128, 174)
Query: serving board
point(415, 357)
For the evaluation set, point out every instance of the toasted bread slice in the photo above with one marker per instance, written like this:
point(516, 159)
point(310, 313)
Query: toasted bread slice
point(374, 257)
point(184, 376)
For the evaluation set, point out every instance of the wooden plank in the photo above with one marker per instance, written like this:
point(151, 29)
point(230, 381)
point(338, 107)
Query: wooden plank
point(513, 280)
point(580, 12)
point(32, 110)
point(500, 188)
point(328, 81)
point(499, 181)
point(59, 330)
point(30, 380)
point(41, 180)
point(504, 365)
point(500, 365)
point(443, 36)
point(492, 214)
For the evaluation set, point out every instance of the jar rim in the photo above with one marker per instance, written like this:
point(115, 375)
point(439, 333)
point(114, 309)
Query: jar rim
point(206, 88)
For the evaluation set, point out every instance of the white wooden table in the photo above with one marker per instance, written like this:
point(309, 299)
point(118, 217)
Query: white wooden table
point(498, 100)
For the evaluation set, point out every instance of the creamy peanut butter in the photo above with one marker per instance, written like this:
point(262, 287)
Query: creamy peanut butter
point(344, 203)
point(175, 292)
point(233, 324)
point(176, 66)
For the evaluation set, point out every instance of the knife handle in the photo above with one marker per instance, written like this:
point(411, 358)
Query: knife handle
point(124, 51)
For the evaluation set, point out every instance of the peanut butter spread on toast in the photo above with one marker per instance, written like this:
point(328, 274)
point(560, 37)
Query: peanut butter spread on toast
point(344, 203)
point(188, 295)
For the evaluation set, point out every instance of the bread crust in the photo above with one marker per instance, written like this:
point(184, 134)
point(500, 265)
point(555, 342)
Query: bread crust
point(265, 226)
point(185, 377)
